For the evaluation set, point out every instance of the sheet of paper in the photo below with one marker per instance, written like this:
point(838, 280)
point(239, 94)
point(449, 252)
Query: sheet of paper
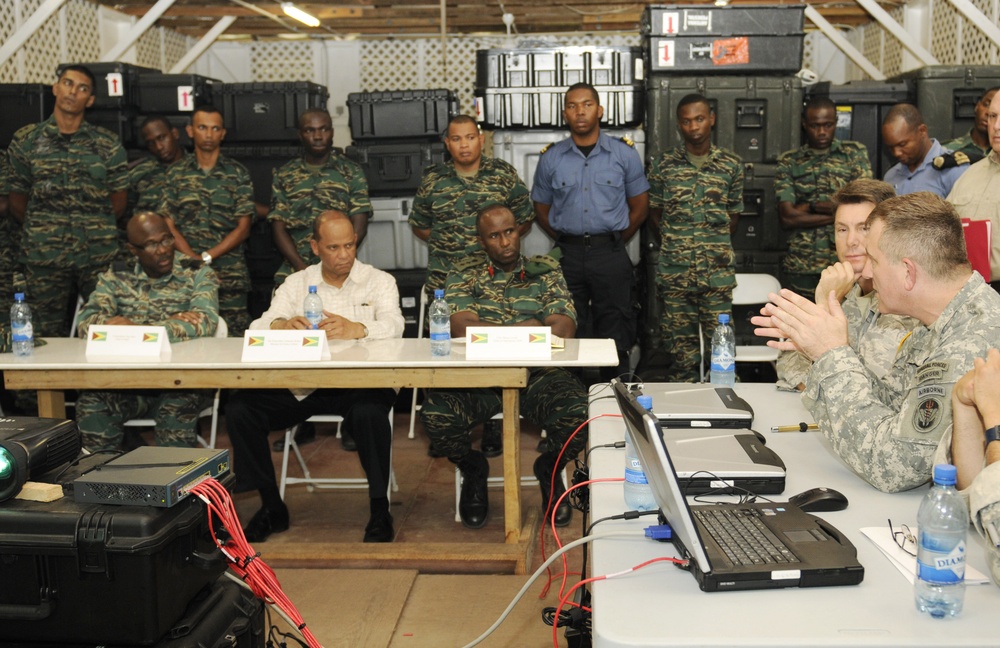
point(907, 564)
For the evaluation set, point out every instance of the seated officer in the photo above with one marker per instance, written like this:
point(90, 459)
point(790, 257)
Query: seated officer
point(165, 288)
point(359, 302)
point(504, 288)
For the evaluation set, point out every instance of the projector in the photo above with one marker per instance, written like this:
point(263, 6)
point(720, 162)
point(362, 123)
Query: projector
point(31, 447)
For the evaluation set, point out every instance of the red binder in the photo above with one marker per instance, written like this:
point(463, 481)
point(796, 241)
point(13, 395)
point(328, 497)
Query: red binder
point(977, 245)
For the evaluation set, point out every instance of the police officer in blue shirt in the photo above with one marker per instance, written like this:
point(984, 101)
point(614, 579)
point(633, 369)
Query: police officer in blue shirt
point(591, 196)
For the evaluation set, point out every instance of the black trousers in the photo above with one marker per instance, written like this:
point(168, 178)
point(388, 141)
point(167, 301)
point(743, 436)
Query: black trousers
point(600, 279)
point(251, 414)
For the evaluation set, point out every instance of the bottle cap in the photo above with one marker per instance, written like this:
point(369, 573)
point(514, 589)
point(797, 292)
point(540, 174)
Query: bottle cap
point(312, 289)
point(944, 474)
point(723, 318)
point(438, 293)
point(18, 296)
point(645, 401)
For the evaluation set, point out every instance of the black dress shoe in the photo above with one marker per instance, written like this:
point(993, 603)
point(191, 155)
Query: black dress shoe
point(433, 452)
point(473, 501)
point(379, 528)
point(543, 468)
point(305, 433)
point(347, 441)
point(265, 522)
point(492, 443)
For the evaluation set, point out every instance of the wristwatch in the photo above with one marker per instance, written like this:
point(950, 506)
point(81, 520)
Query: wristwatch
point(366, 331)
point(206, 258)
point(993, 434)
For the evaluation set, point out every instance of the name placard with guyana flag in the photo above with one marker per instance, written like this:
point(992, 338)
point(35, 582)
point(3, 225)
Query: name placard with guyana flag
point(284, 345)
point(509, 342)
point(125, 342)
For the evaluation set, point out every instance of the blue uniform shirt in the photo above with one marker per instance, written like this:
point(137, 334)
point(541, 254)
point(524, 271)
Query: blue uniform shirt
point(926, 177)
point(588, 194)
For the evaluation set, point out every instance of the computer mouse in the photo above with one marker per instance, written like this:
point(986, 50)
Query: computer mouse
point(820, 499)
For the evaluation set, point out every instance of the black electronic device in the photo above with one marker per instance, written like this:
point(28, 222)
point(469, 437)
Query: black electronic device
point(816, 500)
point(31, 447)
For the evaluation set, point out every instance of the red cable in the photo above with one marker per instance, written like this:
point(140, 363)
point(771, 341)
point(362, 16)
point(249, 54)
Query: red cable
point(243, 559)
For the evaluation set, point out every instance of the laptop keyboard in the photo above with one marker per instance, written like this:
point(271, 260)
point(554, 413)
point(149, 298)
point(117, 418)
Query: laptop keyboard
point(743, 537)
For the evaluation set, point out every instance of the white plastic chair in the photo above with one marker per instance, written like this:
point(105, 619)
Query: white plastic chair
point(221, 331)
point(753, 289)
point(414, 408)
point(312, 483)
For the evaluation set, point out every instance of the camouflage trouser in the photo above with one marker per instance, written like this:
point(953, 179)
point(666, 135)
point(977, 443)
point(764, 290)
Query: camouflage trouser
point(689, 295)
point(803, 284)
point(554, 399)
point(10, 246)
point(100, 415)
point(234, 285)
point(53, 291)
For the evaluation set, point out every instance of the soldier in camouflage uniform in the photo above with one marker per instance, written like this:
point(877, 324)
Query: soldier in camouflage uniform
point(321, 180)
point(148, 179)
point(875, 337)
point(887, 430)
point(68, 182)
point(502, 288)
point(695, 199)
point(208, 204)
point(976, 143)
point(163, 288)
point(9, 232)
point(451, 194)
point(805, 180)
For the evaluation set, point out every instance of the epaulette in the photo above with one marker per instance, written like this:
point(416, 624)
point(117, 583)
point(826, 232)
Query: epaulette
point(958, 158)
point(120, 266)
point(545, 148)
point(542, 264)
point(191, 264)
point(468, 262)
point(627, 140)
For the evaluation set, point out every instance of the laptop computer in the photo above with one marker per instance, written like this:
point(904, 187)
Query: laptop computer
point(724, 461)
point(683, 405)
point(784, 546)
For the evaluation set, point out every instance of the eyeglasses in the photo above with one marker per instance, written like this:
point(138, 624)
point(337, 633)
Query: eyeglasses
point(904, 539)
point(153, 246)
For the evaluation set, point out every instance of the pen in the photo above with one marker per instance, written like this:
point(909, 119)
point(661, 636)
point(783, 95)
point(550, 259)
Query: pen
point(801, 427)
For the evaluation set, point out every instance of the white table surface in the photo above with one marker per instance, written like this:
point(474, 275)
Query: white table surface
point(663, 606)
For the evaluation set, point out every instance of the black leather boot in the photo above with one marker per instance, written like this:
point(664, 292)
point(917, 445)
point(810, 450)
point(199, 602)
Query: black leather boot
point(473, 502)
point(543, 469)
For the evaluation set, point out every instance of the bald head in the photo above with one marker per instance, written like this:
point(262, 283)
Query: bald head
point(150, 241)
point(330, 216)
point(144, 225)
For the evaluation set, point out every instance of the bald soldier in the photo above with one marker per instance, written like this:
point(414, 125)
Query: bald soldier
point(162, 288)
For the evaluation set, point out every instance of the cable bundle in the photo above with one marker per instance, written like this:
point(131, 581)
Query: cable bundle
point(244, 561)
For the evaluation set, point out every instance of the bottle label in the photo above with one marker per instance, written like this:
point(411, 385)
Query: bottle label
point(634, 473)
point(943, 567)
point(722, 361)
point(440, 336)
point(23, 333)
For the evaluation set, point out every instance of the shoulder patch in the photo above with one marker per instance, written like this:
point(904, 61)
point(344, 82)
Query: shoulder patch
point(545, 148)
point(119, 266)
point(627, 140)
point(467, 263)
point(542, 264)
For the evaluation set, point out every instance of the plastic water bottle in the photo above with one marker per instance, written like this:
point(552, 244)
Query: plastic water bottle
point(312, 307)
point(723, 370)
point(440, 318)
point(22, 333)
point(942, 523)
point(638, 494)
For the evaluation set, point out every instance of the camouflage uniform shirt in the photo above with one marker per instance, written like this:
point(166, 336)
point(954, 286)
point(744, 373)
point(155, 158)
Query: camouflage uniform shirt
point(131, 293)
point(534, 289)
point(302, 191)
point(206, 206)
point(967, 146)
point(696, 204)
point(148, 184)
point(448, 204)
point(887, 430)
point(68, 181)
point(804, 176)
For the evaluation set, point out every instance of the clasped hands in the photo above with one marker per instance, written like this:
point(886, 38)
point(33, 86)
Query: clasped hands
point(336, 326)
point(797, 324)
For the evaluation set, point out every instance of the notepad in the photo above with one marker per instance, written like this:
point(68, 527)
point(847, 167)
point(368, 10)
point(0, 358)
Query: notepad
point(907, 564)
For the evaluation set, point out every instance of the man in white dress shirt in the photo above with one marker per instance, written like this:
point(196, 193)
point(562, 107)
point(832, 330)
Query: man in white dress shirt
point(359, 302)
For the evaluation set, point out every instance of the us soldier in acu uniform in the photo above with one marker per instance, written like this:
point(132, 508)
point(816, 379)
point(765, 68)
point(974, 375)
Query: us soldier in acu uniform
point(321, 180)
point(805, 180)
point(68, 186)
point(208, 205)
point(695, 197)
point(163, 288)
point(451, 194)
point(502, 288)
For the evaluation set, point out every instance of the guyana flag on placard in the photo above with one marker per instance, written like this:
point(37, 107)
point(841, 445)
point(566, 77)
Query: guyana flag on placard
point(255, 341)
point(480, 338)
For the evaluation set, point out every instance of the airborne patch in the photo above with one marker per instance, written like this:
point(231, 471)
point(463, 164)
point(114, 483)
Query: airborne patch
point(930, 390)
point(927, 415)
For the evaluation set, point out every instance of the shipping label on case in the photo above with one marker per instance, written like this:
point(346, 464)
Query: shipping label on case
point(701, 20)
point(185, 98)
point(115, 85)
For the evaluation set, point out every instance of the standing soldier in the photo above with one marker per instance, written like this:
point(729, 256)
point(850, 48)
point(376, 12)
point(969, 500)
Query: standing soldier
point(8, 233)
point(148, 179)
point(208, 204)
point(321, 180)
point(805, 180)
point(695, 197)
point(591, 196)
point(68, 186)
point(976, 143)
